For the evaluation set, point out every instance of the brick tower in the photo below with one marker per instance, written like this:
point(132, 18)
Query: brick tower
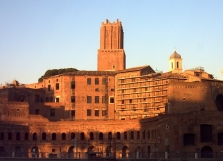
point(111, 55)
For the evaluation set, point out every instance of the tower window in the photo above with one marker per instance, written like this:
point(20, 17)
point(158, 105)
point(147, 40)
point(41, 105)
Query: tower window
point(96, 81)
point(89, 81)
point(104, 99)
point(88, 99)
point(172, 65)
point(96, 99)
point(72, 98)
point(104, 81)
point(177, 64)
point(72, 85)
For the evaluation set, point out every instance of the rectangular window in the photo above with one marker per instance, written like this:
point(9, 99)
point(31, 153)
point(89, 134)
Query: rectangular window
point(88, 99)
point(189, 139)
point(72, 98)
point(96, 81)
point(88, 81)
point(52, 112)
point(133, 79)
point(112, 89)
point(57, 99)
point(96, 113)
point(88, 112)
point(37, 112)
point(206, 133)
point(130, 101)
point(220, 139)
point(104, 112)
point(72, 85)
point(111, 100)
point(104, 81)
point(96, 89)
point(122, 81)
point(104, 99)
point(96, 99)
point(72, 113)
point(123, 90)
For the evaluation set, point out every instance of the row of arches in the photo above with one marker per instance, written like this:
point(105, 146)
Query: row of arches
point(150, 134)
point(139, 152)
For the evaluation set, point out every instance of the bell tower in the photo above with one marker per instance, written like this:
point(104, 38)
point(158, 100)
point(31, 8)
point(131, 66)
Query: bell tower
point(111, 55)
point(175, 63)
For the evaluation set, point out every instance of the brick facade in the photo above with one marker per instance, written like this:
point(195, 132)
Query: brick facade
point(132, 112)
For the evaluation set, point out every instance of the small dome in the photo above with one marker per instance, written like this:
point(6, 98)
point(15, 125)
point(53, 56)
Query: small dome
point(175, 55)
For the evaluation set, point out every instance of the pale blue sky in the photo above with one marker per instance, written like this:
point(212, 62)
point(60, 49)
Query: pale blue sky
point(36, 35)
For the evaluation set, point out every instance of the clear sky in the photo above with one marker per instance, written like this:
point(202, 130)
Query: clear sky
point(37, 35)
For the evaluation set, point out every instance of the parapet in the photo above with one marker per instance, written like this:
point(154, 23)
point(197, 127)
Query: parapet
point(108, 22)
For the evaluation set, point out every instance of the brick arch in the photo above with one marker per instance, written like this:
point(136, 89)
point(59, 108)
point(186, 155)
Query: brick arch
point(219, 102)
point(100, 136)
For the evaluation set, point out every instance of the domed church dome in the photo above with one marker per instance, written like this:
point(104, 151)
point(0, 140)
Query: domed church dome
point(175, 55)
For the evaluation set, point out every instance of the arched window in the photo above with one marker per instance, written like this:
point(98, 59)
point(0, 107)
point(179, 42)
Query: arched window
point(91, 136)
point(144, 135)
point(110, 135)
point(57, 86)
point(100, 136)
point(54, 136)
point(17, 136)
point(63, 136)
point(34, 136)
point(9, 136)
point(26, 136)
point(72, 136)
point(49, 87)
point(125, 135)
point(148, 134)
point(132, 135)
point(138, 135)
point(2, 136)
point(118, 136)
point(43, 136)
point(82, 136)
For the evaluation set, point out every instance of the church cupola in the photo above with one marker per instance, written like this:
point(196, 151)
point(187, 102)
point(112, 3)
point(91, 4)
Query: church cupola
point(175, 63)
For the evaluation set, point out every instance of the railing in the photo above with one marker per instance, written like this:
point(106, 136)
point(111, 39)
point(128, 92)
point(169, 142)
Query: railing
point(117, 155)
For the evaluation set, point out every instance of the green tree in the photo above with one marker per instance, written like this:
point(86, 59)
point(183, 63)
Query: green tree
point(52, 72)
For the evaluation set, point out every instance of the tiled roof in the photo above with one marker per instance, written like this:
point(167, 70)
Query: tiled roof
point(132, 69)
point(84, 72)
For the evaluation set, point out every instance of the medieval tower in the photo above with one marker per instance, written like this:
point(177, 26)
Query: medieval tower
point(111, 55)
